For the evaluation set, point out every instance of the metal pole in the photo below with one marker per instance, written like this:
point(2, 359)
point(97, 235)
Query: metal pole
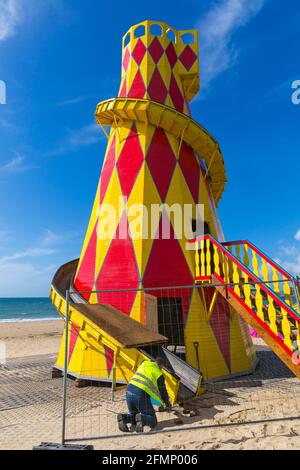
point(196, 346)
point(146, 289)
point(64, 403)
point(113, 383)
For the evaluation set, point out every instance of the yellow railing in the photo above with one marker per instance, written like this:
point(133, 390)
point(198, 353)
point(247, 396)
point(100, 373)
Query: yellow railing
point(262, 302)
point(279, 280)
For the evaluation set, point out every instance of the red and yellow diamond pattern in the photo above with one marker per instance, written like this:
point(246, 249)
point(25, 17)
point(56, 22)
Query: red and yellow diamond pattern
point(157, 68)
point(146, 165)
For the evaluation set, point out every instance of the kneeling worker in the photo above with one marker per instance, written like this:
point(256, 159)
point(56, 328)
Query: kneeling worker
point(148, 382)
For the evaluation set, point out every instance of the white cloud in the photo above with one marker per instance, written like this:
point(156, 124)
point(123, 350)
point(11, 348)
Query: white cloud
point(288, 250)
point(20, 278)
point(29, 272)
point(10, 17)
point(14, 12)
point(71, 101)
point(51, 238)
point(291, 266)
point(7, 125)
point(216, 30)
point(25, 279)
point(16, 165)
point(289, 256)
point(76, 139)
point(297, 235)
point(28, 253)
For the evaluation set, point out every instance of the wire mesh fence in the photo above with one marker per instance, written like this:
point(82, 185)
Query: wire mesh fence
point(242, 380)
point(216, 373)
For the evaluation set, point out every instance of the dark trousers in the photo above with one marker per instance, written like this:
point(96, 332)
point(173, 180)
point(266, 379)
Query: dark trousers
point(139, 401)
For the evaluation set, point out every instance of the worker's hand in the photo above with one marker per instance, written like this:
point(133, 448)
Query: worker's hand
point(166, 407)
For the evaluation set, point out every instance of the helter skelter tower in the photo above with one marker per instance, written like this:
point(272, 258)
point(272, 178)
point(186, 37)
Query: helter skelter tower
point(157, 154)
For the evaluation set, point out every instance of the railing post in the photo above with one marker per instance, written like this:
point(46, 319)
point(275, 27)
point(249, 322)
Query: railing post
point(197, 259)
point(226, 292)
point(64, 403)
point(202, 258)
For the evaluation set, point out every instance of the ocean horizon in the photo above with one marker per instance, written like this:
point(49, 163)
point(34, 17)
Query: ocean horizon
point(24, 309)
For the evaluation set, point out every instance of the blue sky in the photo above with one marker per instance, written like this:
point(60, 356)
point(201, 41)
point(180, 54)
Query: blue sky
point(60, 57)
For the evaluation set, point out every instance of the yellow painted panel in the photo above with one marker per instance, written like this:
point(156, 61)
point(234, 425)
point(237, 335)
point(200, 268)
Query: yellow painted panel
point(178, 196)
point(242, 354)
point(150, 132)
point(174, 143)
point(131, 73)
point(144, 192)
point(198, 329)
point(93, 297)
point(137, 311)
point(143, 137)
point(121, 136)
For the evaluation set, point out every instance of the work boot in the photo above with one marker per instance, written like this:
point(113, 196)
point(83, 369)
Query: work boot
point(121, 423)
point(139, 426)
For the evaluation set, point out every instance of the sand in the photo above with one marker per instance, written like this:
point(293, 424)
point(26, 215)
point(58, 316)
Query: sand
point(30, 404)
point(31, 338)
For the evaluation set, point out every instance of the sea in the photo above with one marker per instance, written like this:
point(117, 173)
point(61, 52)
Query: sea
point(27, 309)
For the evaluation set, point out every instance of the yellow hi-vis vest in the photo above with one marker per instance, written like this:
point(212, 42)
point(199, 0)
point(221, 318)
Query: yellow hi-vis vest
point(146, 378)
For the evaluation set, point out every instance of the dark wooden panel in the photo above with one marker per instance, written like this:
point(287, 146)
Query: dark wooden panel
point(128, 332)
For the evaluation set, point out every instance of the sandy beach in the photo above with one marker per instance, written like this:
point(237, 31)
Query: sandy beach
point(30, 404)
point(30, 338)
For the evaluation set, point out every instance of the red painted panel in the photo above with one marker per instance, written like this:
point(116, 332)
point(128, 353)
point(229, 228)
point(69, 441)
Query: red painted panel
point(85, 277)
point(123, 91)
point(126, 59)
point(109, 356)
point(156, 50)
point(161, 162)
point(119, 271)
point(157, 89)
point(138, 88)
point(188, 57)
point(107, 169)
point(73, 338)
point(130, 162)
point(139, 51)
point(190, 168)
point(167, 266)
point(171, 54)
point(176, 94)
point(220, 323)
